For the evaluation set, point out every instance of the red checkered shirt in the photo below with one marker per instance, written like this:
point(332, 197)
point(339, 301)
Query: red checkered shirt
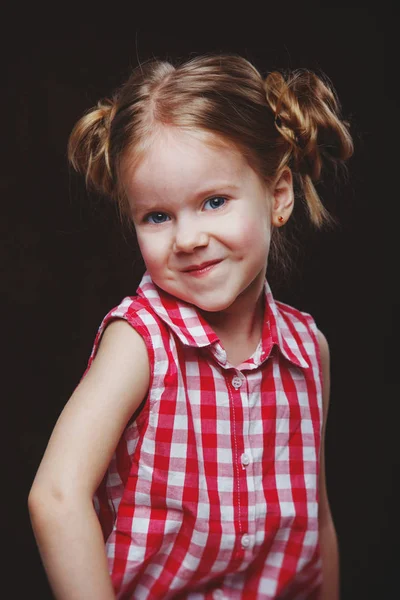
point(212, 491)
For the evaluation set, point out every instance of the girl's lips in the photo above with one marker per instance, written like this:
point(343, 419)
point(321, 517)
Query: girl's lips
point(202, 269)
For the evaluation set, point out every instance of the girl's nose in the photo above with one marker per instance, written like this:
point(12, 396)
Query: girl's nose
point(188, 237)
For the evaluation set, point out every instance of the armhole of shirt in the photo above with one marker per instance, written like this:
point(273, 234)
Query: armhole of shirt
point(134, 320)
point(314, 335)
point(313, 331)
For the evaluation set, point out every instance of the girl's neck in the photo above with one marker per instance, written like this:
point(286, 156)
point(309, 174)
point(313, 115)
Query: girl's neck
point(241, 324)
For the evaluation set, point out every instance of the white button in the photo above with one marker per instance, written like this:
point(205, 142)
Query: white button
point(245, 541)
point(218, 594)
point(236, 382)
point(245, 459)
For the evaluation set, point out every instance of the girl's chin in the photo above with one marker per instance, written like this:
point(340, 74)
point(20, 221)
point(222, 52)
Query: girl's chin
point(211, 306)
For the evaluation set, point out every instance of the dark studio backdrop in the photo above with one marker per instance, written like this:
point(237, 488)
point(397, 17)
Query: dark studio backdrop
point(65, 262)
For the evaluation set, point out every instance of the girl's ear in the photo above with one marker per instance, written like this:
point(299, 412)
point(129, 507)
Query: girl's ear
point(282, 198)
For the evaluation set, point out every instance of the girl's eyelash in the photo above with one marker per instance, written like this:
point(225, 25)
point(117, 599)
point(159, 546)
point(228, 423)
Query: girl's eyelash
point(146, 218)
point(217, 198)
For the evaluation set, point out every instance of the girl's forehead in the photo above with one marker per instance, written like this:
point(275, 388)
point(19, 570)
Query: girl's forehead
point(178, 156)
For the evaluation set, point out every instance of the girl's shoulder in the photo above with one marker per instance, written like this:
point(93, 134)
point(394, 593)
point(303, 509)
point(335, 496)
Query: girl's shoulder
point(136, 310)
point(301, 320)
point(132, 310)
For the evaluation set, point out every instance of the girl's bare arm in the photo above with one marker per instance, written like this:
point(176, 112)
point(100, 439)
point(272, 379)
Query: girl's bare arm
point(330, 589)
point(64, 522)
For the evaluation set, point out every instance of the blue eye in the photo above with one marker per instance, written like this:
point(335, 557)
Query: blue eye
point(156, 218)
point(215, 202)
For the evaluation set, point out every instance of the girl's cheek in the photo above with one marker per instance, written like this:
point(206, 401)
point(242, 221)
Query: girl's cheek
point(145, 248)
point(245, 230)
point(152, 249)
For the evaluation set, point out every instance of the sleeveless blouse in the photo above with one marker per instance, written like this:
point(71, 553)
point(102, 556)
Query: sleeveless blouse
point(212, 491)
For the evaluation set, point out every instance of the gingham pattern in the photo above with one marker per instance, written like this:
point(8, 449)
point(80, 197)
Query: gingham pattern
point(212, 490)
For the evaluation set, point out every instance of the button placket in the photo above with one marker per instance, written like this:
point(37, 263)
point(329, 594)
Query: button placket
point(243, 459)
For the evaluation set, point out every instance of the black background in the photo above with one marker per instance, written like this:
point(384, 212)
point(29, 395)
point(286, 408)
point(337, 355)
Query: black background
point(65, 262)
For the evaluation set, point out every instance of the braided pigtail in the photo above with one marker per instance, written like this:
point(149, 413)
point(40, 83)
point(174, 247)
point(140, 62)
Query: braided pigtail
point(307, 115)
point(88, 148)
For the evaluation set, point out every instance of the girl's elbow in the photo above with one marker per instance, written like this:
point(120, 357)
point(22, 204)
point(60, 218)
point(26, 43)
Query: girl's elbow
point(38, 509)
point(41, 501)
point(48, 500)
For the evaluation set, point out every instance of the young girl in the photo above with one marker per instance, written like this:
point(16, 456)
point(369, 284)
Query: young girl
point(194, 444)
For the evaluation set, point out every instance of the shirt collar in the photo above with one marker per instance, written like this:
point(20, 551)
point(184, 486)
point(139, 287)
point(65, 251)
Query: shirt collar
point(193, 330)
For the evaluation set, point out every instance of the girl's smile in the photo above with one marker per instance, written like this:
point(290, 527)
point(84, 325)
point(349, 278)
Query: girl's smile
point(206, 267)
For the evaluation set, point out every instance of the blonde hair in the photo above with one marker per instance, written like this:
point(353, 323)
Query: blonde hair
point(285, 120)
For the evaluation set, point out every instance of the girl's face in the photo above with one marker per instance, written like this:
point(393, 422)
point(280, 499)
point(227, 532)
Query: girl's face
point(203, 220)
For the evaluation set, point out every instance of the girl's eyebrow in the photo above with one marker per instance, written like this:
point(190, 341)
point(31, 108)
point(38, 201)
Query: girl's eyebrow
point(146, 206)
point(217, 187)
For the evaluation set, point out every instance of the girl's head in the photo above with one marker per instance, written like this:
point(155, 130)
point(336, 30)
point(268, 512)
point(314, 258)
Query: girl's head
point(220, 110)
